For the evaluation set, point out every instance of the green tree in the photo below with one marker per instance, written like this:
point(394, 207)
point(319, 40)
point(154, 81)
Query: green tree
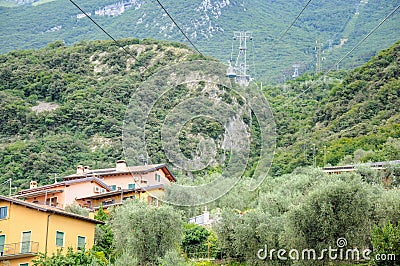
point(340, 208)
point(103, 237)
point(241, 236)
point(194, 239)
point(75, 208)
point(387, 208)
point(386, 242)
point(144, 232)
point(173, 258)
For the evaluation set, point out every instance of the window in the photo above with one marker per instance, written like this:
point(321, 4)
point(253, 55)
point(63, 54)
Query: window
point(108, 202)
point(131, 186)
point(53, 201)
point(2, 243)
point(26, 242)
point(3, 212)
point(23, 264)
point(59, 239)
point(113, 187)
point(81, 242)
point(158, 177)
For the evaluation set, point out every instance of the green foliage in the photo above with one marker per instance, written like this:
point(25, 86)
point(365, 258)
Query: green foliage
point(71, 258)
point(340, 208)
point(388, 208)
point(346, 118)
point(241, 236)
point(103, 236)
point(75, 208)
point(89, 95)
point(392, 174)
point(173, 258)
point(199, 241)
point(195, 238)
point(370, 175)
point(386, 242)
point(146, 233)
point(307, 209)
point(211, 30)
point(101, 215)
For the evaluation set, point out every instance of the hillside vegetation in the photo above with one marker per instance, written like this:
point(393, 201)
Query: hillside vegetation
point(338, 25)
point(82, 92)
point(91, 84)
point(346, 117)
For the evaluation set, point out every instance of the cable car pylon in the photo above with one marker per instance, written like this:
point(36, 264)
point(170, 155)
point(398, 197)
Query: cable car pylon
point(239, 71)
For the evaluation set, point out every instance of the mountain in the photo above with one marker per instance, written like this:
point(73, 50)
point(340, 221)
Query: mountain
point(337, 25)
point(62, 106)
point(343, 118)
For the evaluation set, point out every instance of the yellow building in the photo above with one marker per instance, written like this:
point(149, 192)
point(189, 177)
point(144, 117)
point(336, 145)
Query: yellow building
point(27, 229)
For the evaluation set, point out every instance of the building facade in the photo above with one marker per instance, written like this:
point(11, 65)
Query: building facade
point(27, 229)
point(124, 177)
point(106, 187)
point(64, 193)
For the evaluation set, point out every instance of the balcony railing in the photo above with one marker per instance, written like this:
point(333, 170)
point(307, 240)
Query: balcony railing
point(18, 250)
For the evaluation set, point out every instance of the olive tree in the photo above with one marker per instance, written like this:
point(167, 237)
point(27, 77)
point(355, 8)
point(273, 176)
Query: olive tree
point(144, 232)
point(340, 208)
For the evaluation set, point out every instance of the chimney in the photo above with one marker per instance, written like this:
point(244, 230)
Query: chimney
point(33, 184)
point(121, 166)
point(86, 169)
point(79, 169)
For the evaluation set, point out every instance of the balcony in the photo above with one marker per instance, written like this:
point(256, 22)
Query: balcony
point(18, 250)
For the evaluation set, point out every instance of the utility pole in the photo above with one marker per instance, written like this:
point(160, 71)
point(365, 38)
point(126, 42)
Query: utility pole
point(9, 181)
point(314, 157)
point(324, 155)
point(296, 70)
point(318, 65)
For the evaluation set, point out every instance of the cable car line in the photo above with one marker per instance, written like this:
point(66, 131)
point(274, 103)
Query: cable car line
point(109, 35)
point(360, 42)
point(294, 21)
point(348, 53)
point(180, 29)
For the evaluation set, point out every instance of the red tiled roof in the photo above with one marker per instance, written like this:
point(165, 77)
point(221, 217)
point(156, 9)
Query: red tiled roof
point(140, 169)
point(45, 208)
point(64, 183)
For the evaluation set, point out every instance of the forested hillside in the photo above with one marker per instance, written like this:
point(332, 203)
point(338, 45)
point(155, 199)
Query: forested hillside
point(340, 118)
point(63, 106)
point(337, 25)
